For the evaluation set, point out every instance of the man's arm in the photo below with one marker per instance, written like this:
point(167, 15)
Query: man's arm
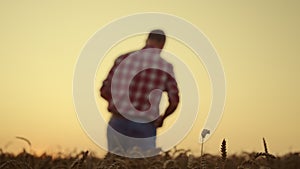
point(173, 95)
point(105, 90)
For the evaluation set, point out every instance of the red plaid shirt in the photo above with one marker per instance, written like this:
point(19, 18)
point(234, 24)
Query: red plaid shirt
point(130, 87)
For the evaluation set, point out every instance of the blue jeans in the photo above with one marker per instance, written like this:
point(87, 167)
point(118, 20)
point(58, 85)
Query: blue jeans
point(141, 135)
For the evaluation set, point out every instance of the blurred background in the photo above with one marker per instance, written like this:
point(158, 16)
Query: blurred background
point(257, 41)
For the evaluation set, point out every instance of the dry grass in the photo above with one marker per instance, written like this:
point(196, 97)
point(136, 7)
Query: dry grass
point(174, 159)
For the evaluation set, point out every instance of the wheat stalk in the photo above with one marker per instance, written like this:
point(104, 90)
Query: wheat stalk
point(265, 146)
point(77, 164)
point(223, 150)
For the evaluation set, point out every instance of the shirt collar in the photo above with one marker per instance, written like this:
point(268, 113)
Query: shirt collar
point(155, 51)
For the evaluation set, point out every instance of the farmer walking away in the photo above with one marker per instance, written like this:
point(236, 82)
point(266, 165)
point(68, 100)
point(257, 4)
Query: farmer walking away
point(133, 90)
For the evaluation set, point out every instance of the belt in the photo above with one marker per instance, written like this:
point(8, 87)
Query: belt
point(132, 118)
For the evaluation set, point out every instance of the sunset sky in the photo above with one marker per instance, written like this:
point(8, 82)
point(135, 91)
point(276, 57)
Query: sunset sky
point(257, 41)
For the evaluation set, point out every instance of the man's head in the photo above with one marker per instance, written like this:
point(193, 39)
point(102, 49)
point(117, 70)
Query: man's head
point(156, 39)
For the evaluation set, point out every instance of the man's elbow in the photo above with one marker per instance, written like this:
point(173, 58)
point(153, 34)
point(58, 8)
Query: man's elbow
point(104, 94)
point(174, 102)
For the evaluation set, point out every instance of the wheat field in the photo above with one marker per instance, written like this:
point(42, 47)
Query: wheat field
point(173, 159)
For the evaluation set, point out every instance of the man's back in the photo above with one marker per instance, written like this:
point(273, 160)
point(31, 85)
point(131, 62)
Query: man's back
point(137, 81)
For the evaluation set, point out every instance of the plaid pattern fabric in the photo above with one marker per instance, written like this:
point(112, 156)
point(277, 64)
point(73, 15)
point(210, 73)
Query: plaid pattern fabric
point(135, 84)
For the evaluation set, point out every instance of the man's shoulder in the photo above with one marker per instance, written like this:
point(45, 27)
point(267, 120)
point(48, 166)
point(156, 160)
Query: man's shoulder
point(166, 64)
point(123, 56)
point(160, 61)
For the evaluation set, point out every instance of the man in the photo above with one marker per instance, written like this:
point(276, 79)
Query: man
point(133, 89)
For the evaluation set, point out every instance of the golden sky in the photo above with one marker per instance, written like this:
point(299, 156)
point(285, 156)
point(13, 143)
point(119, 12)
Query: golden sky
point(257, 41)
